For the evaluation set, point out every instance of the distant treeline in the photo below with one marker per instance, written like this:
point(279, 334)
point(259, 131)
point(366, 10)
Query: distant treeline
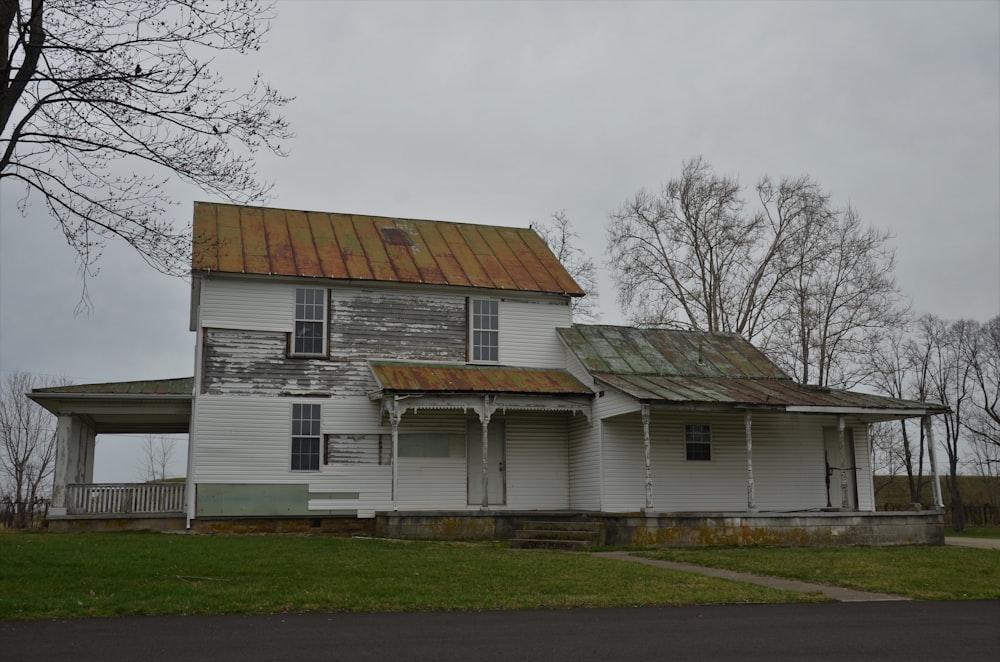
point(981, 495)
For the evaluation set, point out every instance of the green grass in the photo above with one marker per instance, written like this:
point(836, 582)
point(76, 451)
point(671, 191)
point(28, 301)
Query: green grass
point(976, 532)
point(925, 573)
point(83, 575)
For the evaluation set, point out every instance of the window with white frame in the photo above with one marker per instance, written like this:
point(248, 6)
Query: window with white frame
point(310, 322)
point(698, 443)
point(484, 330)
point(305, 437)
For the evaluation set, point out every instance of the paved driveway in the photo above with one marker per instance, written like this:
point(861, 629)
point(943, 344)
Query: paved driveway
point(869, 631)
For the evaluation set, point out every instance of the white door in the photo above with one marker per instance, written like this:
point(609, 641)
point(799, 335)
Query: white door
point(835, 461)
point(495, 459)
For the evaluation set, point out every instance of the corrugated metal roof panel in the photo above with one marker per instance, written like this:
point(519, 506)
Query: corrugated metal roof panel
point(459, 378)
point(256, 240)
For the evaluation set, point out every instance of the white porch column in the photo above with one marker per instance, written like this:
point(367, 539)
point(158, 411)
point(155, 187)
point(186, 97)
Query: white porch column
point(751, 502)
point(488, 408)
point(845, 501)
point(935, 477)
point(74, 461)
point(394, 417)
point(647, 450)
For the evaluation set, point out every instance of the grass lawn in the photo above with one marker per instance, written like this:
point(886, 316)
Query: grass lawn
point(82, 575)
point(975, 532)
point(925, 573)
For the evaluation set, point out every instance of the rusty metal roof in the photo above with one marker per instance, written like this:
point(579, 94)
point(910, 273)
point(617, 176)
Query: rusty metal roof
point(259, 240)
point(173, 387)
point(403, 377)
point(705, 368)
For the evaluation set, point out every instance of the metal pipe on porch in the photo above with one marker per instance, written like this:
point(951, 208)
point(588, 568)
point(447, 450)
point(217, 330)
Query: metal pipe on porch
point(935, 476)
point(747, 423)
point(647, 451)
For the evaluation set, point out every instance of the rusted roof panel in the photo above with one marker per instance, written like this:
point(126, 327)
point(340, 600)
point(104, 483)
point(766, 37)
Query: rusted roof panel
point(399, 377)
point(661, 365)
point(256, 240)
point(182, 386)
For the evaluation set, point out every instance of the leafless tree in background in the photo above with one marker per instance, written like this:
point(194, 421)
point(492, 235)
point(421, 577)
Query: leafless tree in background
point(27, 435)
point(157, 453)
point(982, 352)
point(92, 91)
point(807, 282)
point(839, 301)
point(558, 233)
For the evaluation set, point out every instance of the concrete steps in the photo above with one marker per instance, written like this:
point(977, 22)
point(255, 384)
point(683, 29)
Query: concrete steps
point(561, 535)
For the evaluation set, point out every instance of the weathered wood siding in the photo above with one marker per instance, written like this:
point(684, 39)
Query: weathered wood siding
point(788, 461)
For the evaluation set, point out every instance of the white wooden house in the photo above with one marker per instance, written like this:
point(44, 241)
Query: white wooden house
point(418, 372)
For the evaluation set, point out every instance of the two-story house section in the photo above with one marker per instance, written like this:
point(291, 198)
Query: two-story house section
point(349, 364)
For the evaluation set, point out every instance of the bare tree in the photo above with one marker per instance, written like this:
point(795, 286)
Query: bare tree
point(838, 302)
point(943, 343)
point(158, 452)
point(896, 367)
point(694, 256)
point(982, 352)
point(559, 235)
point(27, 435)
point(92, 91)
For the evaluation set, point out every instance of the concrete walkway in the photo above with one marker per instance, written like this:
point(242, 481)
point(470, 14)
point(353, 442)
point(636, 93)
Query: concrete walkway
point(979, 543)
point(780, 583)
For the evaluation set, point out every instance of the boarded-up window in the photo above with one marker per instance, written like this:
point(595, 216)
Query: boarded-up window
point(424, 445)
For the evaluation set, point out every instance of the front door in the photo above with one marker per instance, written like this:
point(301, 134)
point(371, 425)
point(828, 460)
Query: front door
point(835, 461)
point(495, 459)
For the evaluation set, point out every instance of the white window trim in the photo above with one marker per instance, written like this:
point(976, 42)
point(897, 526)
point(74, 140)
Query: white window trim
point(325, 322)
point(292, 437)
point(711, 445)
point(472, 330)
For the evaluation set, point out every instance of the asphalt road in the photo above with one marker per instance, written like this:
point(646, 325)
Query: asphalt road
point(910, 631)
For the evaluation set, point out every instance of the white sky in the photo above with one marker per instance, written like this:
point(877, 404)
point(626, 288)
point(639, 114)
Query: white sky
point(502, 113)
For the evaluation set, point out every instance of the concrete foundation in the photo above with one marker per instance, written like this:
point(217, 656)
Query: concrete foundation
point(806, 529)
point(82, 523)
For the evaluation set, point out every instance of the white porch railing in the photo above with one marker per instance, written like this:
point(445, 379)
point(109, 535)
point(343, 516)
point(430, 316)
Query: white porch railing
point(125, 498)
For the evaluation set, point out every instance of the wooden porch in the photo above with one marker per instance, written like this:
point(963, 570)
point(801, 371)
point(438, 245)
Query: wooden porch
point(126, 499)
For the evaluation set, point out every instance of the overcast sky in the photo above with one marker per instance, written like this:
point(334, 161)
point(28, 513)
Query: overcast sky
point(504, 113)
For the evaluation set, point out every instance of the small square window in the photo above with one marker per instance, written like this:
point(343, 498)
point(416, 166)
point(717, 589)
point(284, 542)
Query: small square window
point(698, 443)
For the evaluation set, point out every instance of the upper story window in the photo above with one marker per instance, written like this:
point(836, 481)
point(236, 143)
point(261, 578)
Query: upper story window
point(305, 437)
point(698, 443)
point(310, 322)
point(484, 330)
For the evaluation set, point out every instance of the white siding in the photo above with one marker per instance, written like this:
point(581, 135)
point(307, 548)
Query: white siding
point(251, 304)
point(434, 483)
point(528, 333)
point(788, 461)
point(537, 461)
point(584, 464)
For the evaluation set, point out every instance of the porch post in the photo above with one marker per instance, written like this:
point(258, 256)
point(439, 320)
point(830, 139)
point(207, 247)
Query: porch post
point(646, 447)
point(845, 502)
point(935, 477)
point(394, 422)
point(487, 413)
point(751, 502)
point(74, 461)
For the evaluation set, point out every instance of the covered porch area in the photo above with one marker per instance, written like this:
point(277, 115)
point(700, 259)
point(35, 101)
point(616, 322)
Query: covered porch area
point(85, 411)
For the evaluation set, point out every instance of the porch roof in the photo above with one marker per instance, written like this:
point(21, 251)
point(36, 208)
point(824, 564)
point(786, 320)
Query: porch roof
point(159, 406)
point(699, 368)
point(442, 378)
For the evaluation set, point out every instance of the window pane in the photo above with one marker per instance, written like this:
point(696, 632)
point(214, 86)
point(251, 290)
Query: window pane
point(698, 451)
